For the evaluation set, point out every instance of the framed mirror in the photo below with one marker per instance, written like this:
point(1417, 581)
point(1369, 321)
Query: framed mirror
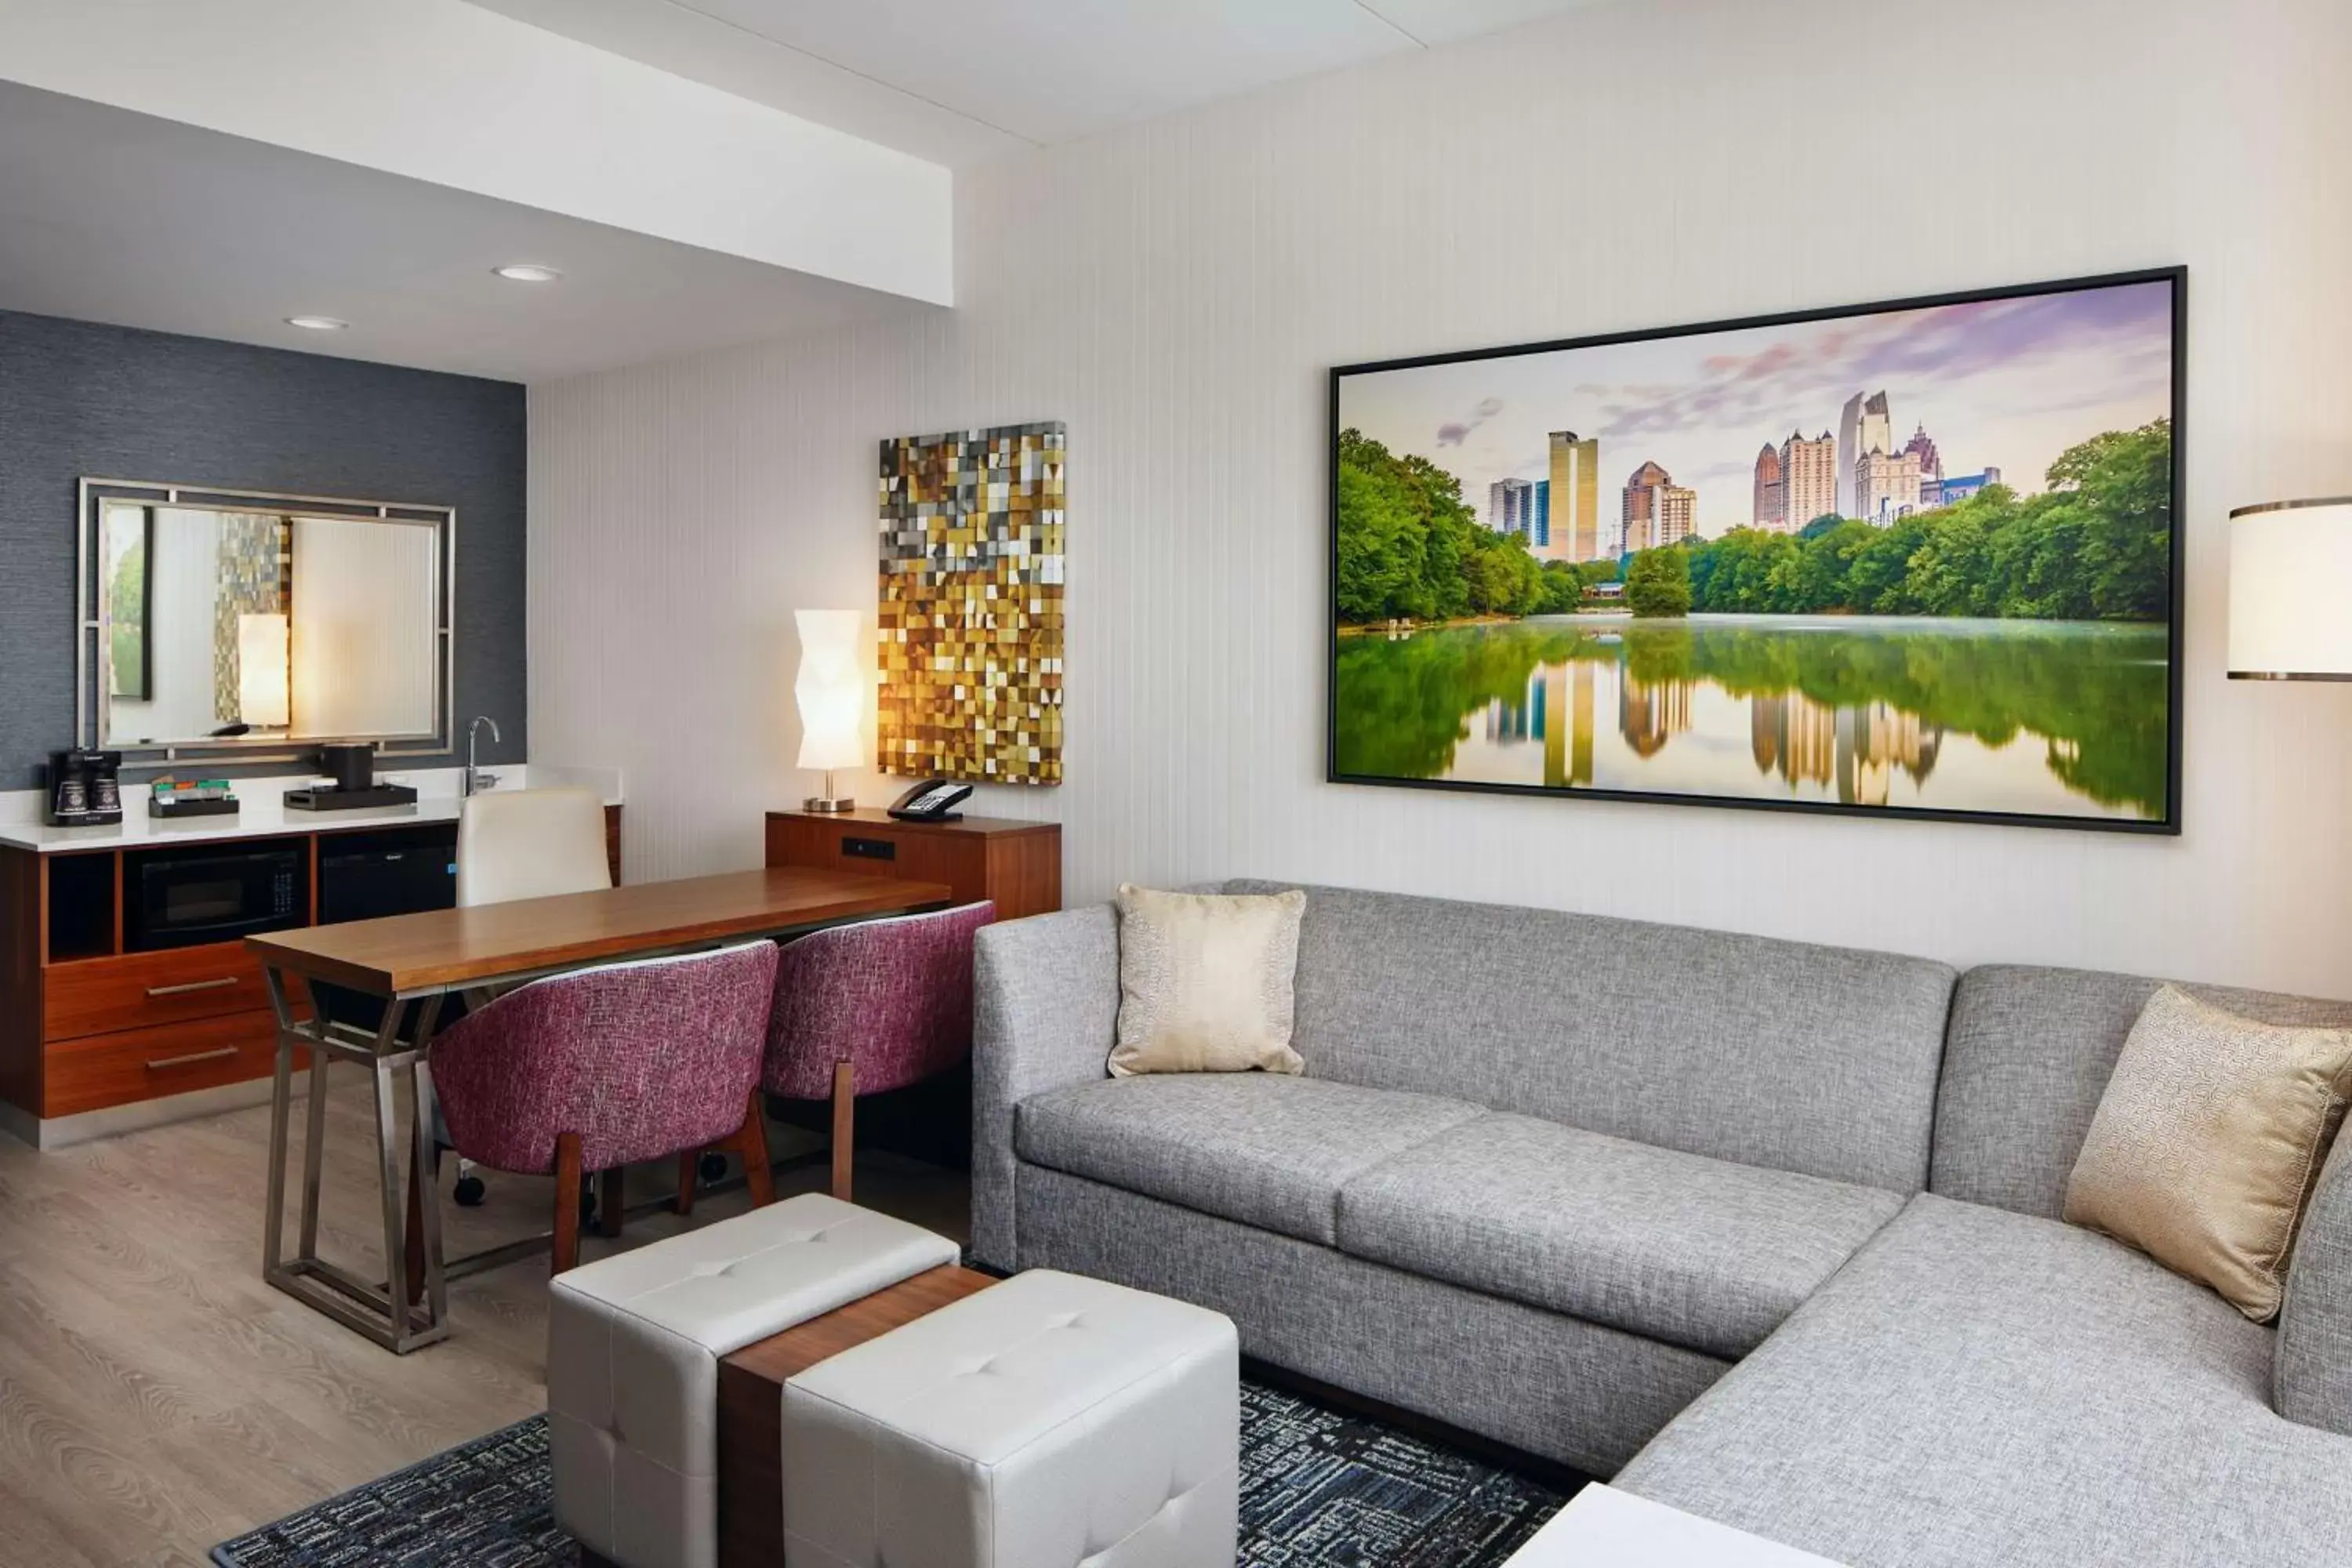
point(244, 625)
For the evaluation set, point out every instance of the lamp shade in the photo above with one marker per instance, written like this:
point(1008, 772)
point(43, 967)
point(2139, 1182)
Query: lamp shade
point(262, 695)
point(2290, 614)
point(829, 690)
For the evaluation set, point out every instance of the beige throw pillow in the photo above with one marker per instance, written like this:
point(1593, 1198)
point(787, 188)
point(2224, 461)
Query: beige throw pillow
point(2207, 1142)
point(1205, 982)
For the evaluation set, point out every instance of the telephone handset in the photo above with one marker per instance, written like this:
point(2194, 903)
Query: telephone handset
point(933, 800)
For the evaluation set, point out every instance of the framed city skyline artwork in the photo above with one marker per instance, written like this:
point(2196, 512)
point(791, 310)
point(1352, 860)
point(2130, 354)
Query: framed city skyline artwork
point(1909, 559)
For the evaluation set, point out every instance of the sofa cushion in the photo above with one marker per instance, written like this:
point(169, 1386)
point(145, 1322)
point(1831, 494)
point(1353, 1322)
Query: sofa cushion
point(1696, 1252)
point(2030, 1054)
point(1978, 1386)
point(1261, 1148)
point(1816, 1059)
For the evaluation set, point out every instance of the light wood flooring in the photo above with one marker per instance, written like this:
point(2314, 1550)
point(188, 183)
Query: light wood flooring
point(156, 1398)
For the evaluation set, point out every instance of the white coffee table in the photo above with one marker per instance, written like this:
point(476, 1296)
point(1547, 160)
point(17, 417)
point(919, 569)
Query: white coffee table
point(1604, 1528)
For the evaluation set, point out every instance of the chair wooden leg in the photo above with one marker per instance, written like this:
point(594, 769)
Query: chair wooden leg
point(687, 1164)
point(751, 1141)
point(845, 1126)
point(609, 1202)
point(567, 1202)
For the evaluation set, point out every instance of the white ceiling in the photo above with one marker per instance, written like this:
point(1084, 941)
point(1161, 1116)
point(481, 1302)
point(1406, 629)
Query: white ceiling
point(955, 82)
point(109, 216)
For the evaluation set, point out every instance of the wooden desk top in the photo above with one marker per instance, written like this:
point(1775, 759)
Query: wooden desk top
point(445, 949)
point(968, 826)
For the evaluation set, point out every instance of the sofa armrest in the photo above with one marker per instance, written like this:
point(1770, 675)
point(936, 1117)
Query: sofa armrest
point(2311, 1378)
point(1044, 1015)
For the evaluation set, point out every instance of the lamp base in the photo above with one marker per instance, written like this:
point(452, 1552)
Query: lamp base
point(828, 804)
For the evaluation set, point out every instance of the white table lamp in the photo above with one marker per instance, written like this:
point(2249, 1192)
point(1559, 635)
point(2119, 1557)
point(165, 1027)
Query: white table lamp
point(263, 699)
point(2288, 563)
point(832, 696)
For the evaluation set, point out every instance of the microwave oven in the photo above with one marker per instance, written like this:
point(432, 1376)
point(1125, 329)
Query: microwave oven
point(181, 897)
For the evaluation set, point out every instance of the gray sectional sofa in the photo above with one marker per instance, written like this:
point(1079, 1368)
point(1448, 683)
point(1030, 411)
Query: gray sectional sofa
point(1763, 1230)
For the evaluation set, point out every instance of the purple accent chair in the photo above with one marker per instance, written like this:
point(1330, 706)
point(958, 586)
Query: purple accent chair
point(603, 1068)
point(868, 1007)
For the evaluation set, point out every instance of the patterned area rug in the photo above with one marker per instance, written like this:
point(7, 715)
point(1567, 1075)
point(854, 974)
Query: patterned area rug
point(1319, 1489)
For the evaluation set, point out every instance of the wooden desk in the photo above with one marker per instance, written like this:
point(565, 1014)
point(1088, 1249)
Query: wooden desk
point(412, 961)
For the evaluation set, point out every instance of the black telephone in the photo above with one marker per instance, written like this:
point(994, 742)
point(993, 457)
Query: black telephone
point(933, 800)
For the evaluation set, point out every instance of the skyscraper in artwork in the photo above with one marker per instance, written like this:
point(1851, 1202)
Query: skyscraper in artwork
point(1657, 511)
point(1865, 426)
point(1575, 499)
point(1770, 514)
point(1886, 486)
point(1809, 478)
point(1922, 446)
point(1510, 507)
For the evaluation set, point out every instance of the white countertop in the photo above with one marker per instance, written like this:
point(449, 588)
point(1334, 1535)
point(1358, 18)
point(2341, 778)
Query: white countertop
point(262, 810)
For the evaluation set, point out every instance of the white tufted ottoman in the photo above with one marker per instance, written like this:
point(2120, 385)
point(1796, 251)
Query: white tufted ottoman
point(1047, 1422)
point(632, 1349)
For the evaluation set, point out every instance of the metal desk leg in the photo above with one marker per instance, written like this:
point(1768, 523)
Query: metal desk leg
point(281, 1105)
point(428, 1200)
point(380, 1312)
point(314, 1145)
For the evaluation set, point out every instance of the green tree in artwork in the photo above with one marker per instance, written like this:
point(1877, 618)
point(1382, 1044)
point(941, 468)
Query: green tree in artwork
point(2120, 485)
point(1658, 583)
point(1410, 548)
point(2097, 546)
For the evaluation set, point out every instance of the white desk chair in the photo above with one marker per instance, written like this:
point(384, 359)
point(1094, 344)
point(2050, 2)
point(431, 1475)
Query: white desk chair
point(523, 844)
point(531, 844)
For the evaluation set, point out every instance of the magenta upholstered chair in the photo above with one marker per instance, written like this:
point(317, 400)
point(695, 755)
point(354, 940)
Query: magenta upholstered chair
point(603, 1068)
point(868, 1007)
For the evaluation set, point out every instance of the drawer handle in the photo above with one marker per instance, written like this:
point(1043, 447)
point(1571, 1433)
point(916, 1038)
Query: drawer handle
point(221, 984)
point(193, 1057)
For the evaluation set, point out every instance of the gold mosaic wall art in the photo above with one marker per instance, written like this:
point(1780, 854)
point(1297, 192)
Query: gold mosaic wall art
point(970, 629)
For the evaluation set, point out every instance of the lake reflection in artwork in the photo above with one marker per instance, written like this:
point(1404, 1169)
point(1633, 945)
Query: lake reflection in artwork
point(2033, 718)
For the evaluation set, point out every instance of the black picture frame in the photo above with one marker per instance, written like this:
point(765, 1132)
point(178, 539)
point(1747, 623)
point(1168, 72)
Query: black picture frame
point(2166, 823)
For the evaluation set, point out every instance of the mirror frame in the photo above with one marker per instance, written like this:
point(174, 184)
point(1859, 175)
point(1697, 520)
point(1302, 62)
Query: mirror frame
point(93, 620)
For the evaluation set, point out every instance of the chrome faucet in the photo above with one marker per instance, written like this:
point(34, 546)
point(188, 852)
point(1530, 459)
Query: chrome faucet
point(476, 780)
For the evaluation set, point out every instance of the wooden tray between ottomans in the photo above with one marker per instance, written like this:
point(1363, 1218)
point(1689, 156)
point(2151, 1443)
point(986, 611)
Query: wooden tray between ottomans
point(750, 1400)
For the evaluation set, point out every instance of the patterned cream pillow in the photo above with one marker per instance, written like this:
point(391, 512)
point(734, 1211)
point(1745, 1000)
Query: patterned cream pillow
point(1205, 982)
point(2207, 1142)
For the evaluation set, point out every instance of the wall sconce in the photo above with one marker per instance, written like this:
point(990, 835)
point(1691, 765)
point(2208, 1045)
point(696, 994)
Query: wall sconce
point(2288, 562)
point(831, 694)
point(263, 697)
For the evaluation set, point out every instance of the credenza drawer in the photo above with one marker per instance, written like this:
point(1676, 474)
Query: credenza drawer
point(147, 1064)
point(142, 990)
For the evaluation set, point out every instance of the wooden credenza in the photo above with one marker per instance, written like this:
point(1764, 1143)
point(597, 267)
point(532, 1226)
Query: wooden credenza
point(88, 1022)
point(1018, 865)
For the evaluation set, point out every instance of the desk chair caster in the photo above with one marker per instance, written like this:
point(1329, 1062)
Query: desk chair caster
point(470, 1190)
point(713, 1167)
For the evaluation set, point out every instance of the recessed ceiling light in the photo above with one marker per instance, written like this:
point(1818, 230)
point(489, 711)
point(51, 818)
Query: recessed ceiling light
point(317, 324)
point(528, 272)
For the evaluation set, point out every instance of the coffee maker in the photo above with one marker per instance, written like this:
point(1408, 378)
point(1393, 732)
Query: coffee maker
point(85, 789)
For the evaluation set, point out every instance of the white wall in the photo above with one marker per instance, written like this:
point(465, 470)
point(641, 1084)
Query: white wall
point(1175, 291)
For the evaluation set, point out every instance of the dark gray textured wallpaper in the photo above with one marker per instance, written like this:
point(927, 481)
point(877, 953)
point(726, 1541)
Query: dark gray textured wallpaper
point(78, 399)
